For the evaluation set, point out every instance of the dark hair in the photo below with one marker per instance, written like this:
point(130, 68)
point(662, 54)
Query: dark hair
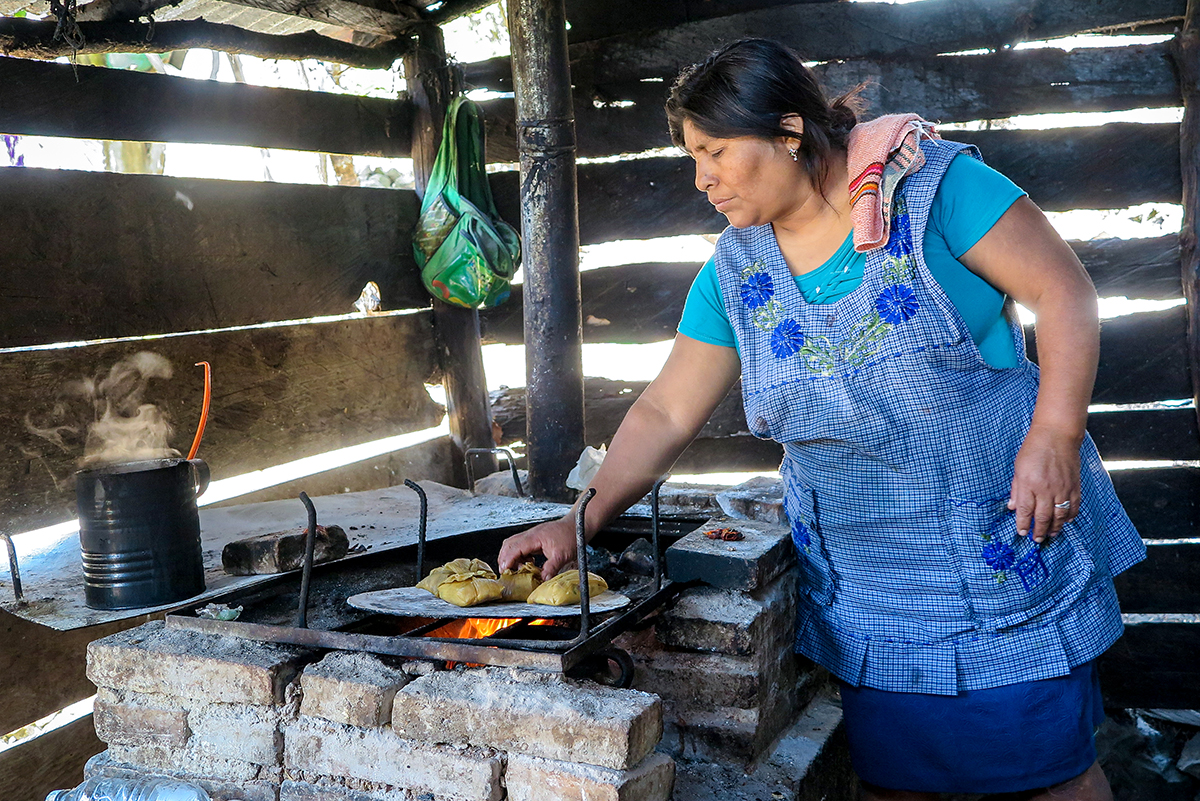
point(747, 87)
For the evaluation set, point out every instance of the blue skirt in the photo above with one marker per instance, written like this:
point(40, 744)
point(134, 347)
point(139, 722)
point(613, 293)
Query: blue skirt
point(999, 740)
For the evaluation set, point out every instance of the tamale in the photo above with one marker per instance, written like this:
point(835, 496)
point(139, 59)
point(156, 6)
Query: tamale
point(520, 582)
point(563, 589)
point(439, 574)
point(471, 588)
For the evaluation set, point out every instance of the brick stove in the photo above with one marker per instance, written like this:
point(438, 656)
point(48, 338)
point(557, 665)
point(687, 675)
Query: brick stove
point(715, 679)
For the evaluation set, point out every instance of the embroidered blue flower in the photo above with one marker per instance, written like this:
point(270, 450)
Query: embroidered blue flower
point(900, 237)
point(800, 534)
point(896, 304)
point(999, 555)
point(786, 339)
point(757, 289)
point(1032, 570)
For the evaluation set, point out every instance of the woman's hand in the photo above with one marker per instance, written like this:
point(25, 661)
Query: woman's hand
point(554, 539)
point(1046, 475)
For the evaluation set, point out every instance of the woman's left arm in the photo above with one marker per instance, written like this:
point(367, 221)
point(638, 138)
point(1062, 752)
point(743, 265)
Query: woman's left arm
point(1025, 258)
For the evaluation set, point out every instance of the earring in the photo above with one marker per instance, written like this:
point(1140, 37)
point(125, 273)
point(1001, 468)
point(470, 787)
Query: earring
point(795, 153)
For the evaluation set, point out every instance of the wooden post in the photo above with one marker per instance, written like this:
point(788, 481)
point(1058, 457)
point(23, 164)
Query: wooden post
point(550, 234)
point(431, 86)
point(1186, 52)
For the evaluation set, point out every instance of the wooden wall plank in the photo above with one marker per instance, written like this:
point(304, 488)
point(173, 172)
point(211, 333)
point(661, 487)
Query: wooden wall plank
point(54, 761)
point(1146, 435)
point(826, 32)
point(1153, 665)
point(1136, 268)
point(590, 20)
point(45, 99)
point(944, 89)
point(29, 653)
point(92, 255)
point(1164, 503)
point(279, 394)
point(1132, 372)
point(655, 197)
point(1167, 581)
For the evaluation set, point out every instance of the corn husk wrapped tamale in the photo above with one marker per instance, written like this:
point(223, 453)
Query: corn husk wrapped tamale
point(520, 582)
point(471, 588)
point(439, 574)
point(563, 589)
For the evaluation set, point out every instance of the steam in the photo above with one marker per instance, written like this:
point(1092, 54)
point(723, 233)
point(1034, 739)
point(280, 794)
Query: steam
point(110, 415)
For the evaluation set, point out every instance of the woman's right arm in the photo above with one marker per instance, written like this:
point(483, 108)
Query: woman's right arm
point(658, 427)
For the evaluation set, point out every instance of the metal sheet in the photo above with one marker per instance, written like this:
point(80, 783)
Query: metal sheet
point(376, 520)
point(416, 602)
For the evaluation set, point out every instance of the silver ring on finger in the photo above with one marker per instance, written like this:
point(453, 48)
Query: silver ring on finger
point(1063, 505)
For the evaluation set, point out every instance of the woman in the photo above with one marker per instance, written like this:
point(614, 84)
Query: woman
point(957, 534)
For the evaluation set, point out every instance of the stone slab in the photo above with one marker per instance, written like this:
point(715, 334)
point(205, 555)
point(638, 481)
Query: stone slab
point(753, 562)
point(535, 779)
point(104, 766)
point(282, 551)
point(531, 713)
point(760, 498)
point(351, 688)
point(316, 746)
point(188, 664)
point(123, 723)
point(731, 621)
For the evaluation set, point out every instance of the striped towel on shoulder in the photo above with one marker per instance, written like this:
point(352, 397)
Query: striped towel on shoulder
point(879, 154)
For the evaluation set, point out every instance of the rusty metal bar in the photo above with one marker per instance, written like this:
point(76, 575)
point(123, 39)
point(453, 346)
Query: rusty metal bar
point(550, 232)
point(658, 557)
point(585, 592)
point(415, 487)
point(14, 569)
point(512, 466)
point(310, 547)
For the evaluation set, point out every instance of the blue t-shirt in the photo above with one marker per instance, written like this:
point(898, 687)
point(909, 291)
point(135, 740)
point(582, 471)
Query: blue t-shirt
point(969, 201)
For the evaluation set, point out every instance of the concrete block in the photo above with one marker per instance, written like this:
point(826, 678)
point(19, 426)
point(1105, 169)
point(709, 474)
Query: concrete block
point(530, 713)
point(535, 779)
point(120, 723)
point(329, 791)
point(104, 766)
point(730, 621)
point(237, 731)
point(282, 551)
point(747, 564)
point(760, 498)
point(192, 760)
point(351, 688)
point(188, 664)
point(317, 746)
point(704, 680)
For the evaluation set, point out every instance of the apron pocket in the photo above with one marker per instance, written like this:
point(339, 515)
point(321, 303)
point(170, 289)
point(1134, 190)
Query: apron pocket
point(816, 577)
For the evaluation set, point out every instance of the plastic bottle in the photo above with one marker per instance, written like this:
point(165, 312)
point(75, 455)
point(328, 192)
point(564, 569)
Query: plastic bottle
point(141, 789)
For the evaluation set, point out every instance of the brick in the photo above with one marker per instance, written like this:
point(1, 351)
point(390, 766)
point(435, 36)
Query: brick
point(104, 766)
point(238, 731)
point(282, 551)
point(349, 688)
point(188, 664)
point(705, 680)
point(123, 723)
point(531, 713)
point(191, 760)
point(535, 779)
point(316, 746)
point(329, 791)
point(766, 552)
point(732, 622)
point(760, 498)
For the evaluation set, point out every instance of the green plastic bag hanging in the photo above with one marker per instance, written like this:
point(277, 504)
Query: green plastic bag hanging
point(466, 253)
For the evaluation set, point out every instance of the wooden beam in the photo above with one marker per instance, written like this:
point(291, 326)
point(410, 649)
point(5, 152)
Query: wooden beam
point(93, 255)
point(1153, 665)
point(25, 38)
point(343, 13)
point(1167, 581)
point(456, 329)
point(591, 20)
point(1163, 503)
point(1186, 50)
point(655, 197)
point(629, 118)
point(836, 31)
point(53, 761)
point(42, 99)
point(279, 394)
point(550, 244)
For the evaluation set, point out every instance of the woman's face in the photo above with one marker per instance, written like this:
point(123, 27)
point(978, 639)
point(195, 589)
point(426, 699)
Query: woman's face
point(752, 181)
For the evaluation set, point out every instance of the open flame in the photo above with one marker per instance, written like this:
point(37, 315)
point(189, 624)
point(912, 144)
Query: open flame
point(473, 628)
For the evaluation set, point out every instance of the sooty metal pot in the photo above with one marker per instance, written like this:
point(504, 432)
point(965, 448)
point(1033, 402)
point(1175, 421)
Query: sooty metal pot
point(139, 531)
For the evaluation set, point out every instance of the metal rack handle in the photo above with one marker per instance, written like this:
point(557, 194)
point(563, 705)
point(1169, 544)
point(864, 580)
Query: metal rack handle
point(415, 487)
point(310, 546)
point(512, 466)
point(585, 597)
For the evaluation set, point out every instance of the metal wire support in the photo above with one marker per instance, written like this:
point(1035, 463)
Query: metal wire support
point(658, 572)
point(512, 466)
point(415, 487)
point(310, 546)
point(585, 598)
point(14, 569)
